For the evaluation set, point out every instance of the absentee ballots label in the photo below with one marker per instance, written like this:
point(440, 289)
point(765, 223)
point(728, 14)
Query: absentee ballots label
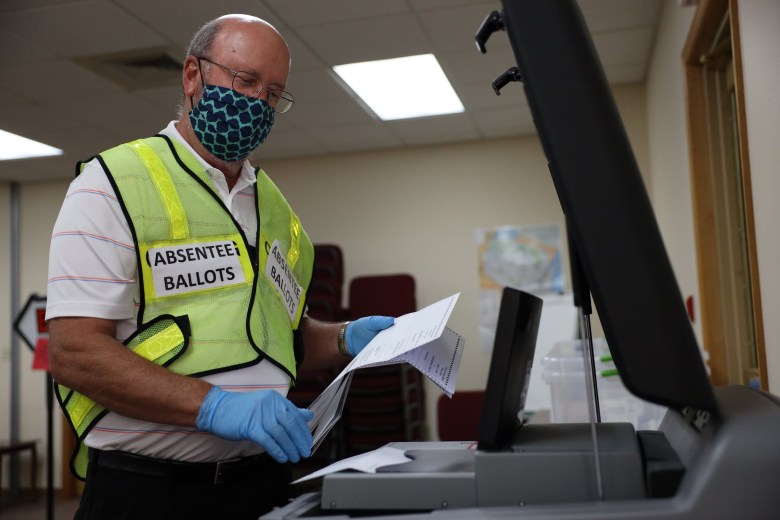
point(283, 280)
point(185, 268)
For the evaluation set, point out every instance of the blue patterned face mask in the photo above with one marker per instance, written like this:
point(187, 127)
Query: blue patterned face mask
point(229, 124)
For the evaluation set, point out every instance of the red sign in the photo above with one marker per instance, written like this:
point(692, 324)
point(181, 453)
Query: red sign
point(41, 354)
point(32, 328)
point(43, 327)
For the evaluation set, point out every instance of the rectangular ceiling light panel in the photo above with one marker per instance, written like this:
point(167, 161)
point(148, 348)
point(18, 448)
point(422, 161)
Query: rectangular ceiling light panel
point(402, 88)
point(14, 146)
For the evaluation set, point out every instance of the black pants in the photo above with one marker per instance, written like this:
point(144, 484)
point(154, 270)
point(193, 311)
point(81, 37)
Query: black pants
point(124, 486)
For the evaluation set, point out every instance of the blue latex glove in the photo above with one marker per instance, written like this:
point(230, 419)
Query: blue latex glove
point(264, 417)
point(360, 332)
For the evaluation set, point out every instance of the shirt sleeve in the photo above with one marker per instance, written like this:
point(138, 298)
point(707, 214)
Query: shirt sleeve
point(92, 258)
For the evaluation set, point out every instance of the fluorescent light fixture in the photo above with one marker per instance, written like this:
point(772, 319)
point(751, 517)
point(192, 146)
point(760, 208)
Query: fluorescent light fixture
point(14, 146)
point(401, 88)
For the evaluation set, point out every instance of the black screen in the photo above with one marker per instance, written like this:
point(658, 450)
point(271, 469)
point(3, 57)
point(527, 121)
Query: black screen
point(607, 207)
point(510, 368)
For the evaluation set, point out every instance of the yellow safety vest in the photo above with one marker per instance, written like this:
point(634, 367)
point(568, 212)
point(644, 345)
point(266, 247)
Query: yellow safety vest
point(208, 304)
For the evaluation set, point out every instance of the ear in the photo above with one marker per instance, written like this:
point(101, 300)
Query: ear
point(191, 80)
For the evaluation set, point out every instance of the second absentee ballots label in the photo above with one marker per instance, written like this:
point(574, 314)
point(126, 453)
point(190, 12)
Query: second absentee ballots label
point(283, 280)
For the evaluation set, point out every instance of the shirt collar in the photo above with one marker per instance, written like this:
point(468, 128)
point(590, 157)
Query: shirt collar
point(247, 176)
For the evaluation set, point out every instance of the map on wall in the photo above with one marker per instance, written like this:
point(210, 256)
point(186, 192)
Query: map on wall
point(528, 258)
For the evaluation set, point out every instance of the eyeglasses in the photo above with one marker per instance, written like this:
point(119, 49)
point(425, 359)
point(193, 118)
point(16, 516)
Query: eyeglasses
point(250, 85)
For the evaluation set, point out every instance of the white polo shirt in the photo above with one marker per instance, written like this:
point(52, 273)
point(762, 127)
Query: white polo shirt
point(93, 272)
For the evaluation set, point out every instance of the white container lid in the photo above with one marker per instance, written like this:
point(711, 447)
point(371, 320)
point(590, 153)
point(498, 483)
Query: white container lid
point(566, 358)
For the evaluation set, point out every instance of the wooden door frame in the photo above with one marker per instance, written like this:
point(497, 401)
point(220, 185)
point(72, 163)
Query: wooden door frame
point(704, 27)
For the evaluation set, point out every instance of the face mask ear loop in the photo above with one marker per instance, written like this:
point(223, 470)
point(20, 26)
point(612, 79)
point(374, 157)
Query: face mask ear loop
point(202, 84)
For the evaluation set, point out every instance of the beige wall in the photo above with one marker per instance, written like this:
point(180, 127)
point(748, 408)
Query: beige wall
point(668, 148)
point(759, 22)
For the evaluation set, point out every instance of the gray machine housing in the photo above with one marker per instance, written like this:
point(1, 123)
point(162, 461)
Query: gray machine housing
point(731, 460)
point(547, 464)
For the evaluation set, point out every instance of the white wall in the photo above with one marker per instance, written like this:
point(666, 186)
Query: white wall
point(759, 22)
point(668, 148)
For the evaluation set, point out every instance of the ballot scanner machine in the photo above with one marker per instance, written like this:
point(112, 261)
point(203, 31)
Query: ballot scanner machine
point(716, 453)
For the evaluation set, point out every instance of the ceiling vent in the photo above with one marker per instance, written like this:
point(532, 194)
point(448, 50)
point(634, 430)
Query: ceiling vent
point(137, 70)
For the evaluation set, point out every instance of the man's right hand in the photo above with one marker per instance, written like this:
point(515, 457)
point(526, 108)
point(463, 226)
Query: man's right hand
point(264, 417)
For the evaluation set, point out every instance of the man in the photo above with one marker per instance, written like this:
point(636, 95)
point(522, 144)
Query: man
point(176, 297)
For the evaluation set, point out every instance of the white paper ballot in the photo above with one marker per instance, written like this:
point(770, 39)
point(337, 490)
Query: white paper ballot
point(421, 339)
point(365, 462)
point(371, 461)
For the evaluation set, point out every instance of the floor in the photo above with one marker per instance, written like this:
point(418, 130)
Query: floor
point(29, 508)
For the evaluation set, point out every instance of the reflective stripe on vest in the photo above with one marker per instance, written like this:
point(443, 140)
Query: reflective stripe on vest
point(161, 341)
point(165, 188)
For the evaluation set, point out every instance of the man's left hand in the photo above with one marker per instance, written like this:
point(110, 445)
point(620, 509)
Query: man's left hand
point(360, 332)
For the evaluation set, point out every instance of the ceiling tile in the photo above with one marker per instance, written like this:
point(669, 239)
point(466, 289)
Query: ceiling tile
point(71, 80)
point(178, 20)
point(424, 5)
point(302, 56)
point(21, 5)
point(29, 119)
point(122, 108)
point(314, 85)
point(166, 98)
point(327, 114)
point(16, 48)
point(624, 47)
point(480, 97)
point(302, 13)
point(86, 28)
point(436, 129)
point(473, 68)
point(620, 74)
point(294, 143)
point(9, 97)
point(365, 136)
point(454, 29)
point(354, 41)
point(613, 15)
point(503, 122)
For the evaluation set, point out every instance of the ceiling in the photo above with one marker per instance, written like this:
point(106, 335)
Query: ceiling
point(49, 91)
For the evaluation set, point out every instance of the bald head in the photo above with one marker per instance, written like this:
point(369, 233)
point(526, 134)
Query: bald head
point(236, 28)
